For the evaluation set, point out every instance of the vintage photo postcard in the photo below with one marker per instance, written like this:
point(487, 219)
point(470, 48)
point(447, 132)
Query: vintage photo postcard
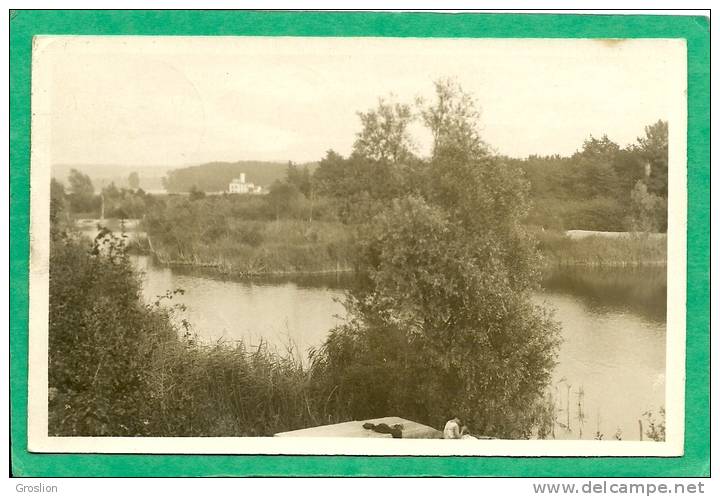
point(360, 246)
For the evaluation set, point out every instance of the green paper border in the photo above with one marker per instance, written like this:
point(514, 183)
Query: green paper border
point(24, 24)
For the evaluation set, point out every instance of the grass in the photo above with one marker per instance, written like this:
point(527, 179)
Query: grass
point(245, 247)
point(633, 249)
point(227, 389)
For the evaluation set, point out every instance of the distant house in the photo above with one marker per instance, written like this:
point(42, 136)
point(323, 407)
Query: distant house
point(239, 185)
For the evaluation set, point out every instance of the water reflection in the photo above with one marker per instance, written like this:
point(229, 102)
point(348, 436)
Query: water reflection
point(639, 290)
point(282, 313)
point(611, 364)
point(330, 281)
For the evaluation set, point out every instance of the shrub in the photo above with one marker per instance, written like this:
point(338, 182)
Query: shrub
point(99, 357)
point(597, 214)
point(249, 233)
point(444, 329)
point(118, 367)
point(655, 429)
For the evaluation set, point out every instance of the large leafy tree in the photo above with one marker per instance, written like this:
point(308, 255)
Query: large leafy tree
point(134, 180)
point(453, 120)
point(58, 201)
point(80, 183)
point(445, 325)
point(653, 148)
point(384, 136)
point(359, 186)
point(81, 191)
point(285, 199)
point(300, 177)
point(592, 173)
point(648, 212)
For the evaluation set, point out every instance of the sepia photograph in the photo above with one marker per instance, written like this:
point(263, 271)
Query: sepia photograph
point(369, 246)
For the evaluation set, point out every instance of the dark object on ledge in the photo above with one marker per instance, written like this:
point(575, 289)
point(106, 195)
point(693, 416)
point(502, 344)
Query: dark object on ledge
point(354, 429)
point(394, 430)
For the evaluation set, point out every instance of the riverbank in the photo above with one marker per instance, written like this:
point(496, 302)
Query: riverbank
point(594, 249)
point(294, 247)
point(602, 249)
point(253, 248)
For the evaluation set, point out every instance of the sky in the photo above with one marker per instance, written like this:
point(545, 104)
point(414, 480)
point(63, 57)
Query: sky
point(164, 101)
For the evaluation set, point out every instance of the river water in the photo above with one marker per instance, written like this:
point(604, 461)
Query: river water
point(611, 363)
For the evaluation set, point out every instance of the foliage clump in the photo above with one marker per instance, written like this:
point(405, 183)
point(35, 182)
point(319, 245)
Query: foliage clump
point(446, 326)
point(100, 348)
point(655, 429)
point(602, 186)
point(120, 367)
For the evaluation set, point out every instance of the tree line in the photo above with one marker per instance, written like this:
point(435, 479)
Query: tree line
point(111, 202)
point(600, 187)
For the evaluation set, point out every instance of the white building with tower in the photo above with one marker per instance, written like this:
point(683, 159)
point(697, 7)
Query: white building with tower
point(239, 185)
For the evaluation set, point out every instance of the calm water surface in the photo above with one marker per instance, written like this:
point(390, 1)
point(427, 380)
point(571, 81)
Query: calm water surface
point(280, 312)
point(613, 353)
point(611, 363)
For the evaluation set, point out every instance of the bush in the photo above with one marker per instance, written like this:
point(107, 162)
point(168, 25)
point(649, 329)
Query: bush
point(249, 233)
point(598, 214)
point(99, 357)
point(232, 233)
point(444, 329)
point(655, 426)
point(118, 367)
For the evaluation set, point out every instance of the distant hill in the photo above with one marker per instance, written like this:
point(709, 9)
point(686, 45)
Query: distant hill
point(215, 176)
point(102, 175)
